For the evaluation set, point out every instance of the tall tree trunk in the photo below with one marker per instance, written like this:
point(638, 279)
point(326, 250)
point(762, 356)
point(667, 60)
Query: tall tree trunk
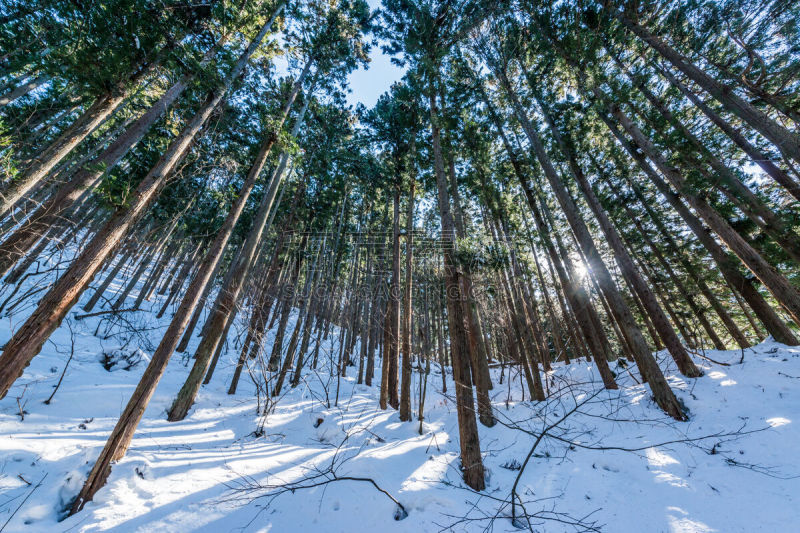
point(87, 176)
point(179, 280)
point(97, 113)
point(405, 384)
point(123, 260)
point(777, 284)
point(726, 264)
point(310, 304)
point(573, 292)
point(645, 361)
point(391, 349)
point(228, 295)
point(479, 363)
point(756, 155)
point(121, 436)
point(471, 462)
point(724, 178)
point(673, 248)
point(621, 255)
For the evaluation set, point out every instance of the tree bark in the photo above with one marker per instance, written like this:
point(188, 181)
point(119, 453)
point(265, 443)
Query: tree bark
point(726, 264)
point(621, 255)
point(645, 361)
point(405, 384)
point(471, 461)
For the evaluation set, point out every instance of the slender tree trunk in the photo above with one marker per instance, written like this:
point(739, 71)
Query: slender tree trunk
point(179, 280)
point(471, 462)
point(228, 295)
point(621, 255)
point(391, 349)
point(777, 284)
point(756, 155)
point(645, 361)
point(121, 436)
point(22, 89)
point(123, 260)
point(100, 110)
point(477, 351)
point(673, 248)
point(405, 386)
point(310, 304)
point(288, 298)
point(726, 264)
point(85, 178)
point(724, 178)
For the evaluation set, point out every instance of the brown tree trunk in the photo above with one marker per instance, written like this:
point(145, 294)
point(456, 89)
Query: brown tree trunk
point(673, 248)
point(391, 349)
point(100, 110)
point(573, 292)
point(29, 338)
point(229, 294)
point(479, 363)
point(755, 154)
point(121, 436)
point(471, 462)
point(22, 89)
point(724, 178)
point(645, 361)
point(123, 260)
point(777, 284)
point(405, 384)
point(726, 264)
point(621, 255)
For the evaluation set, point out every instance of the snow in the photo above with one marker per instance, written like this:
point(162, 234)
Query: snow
point(732, 467)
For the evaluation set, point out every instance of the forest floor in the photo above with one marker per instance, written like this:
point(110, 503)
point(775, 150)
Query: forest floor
point(733, 466)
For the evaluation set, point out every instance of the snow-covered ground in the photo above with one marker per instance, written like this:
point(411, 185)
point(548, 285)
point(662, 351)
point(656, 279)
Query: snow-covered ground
point(733, 466)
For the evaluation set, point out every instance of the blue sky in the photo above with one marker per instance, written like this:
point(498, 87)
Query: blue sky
point(368, 84)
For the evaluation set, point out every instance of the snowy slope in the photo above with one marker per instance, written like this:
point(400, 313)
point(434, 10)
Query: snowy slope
point(738, 470)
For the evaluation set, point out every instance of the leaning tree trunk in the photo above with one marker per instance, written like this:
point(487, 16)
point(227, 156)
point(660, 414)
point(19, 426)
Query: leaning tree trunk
point(785, 140)
point(776, 283)
point(228, 295)
point(27, 341)
point(22, 89)
point(88, 175)
point(573, 292)
point(621, 255)
point(729, 184)
point(644, 359)
point(674, 250)
point(100, 110)
point(310, 307)
point(726, 264)
point(756, 155)
point(122, 434)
